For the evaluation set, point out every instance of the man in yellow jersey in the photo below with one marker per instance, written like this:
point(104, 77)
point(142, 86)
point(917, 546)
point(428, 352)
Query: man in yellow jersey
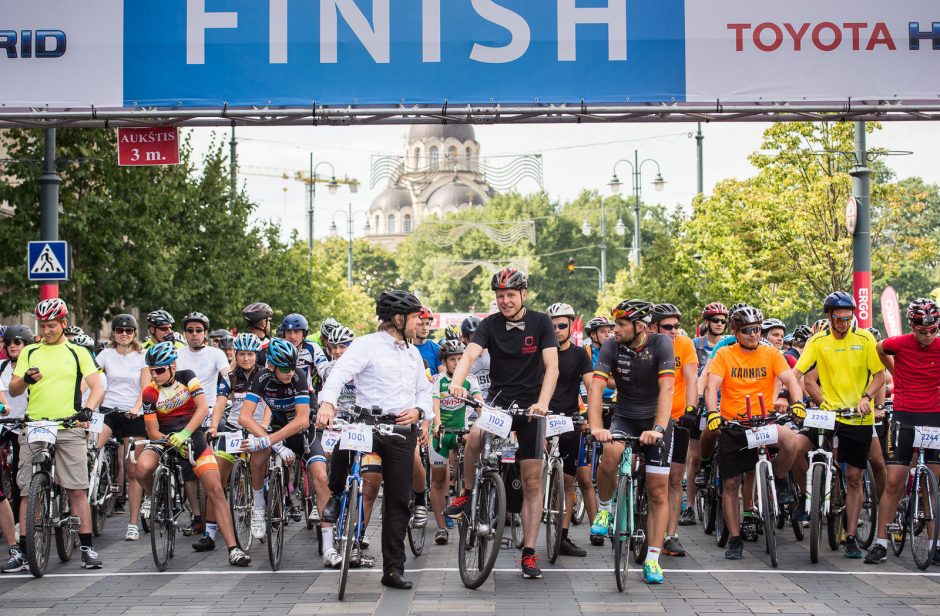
point(850, 375)
point(685, 394)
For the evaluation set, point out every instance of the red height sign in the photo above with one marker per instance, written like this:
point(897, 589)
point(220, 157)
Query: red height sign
point(140, 147)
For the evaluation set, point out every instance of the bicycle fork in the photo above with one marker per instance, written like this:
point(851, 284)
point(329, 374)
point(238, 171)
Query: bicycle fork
point(826, 463)
point(764, 466)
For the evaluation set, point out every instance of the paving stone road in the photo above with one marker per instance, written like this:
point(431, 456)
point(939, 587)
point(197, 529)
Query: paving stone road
point(701, 583)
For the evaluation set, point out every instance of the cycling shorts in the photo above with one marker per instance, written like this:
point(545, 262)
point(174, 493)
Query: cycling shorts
point(899, 447)
point(851, 443)
point(734, 457)
point(658, 458)
point(442, 447)
point(571, 449)
point(530, 435)
point(123, 427)
point(680, 443)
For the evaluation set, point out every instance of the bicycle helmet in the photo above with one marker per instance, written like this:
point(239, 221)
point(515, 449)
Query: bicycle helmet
point(340, 335)
point(665, 311)
point(51, 310)
point(73, 330)
point(124, 320)
point(802, 333)
point(822, 325)
point(425, 313)
point(452, 332)
point(737, 306)
point(452, 347)
point(219, 333)
point(469, 326)
point(788, 339)
point(874, 331)
point(633, 310)
point(282, 354)
point(713, 310)
point(227, 342)
point(196, 317)
point(327, 326)
point(257, 312)
point(158, 318)
point(161, 354)
point(923, 311)
point(178, 337)
point(294, 322)
point(84, 340)
point(391, 303)
point(509, 278)
point(596, 323)
point(560, 310)
point(248, 342)
point(746, 315)
point(839, 299)
point(772, 323)
point(18, 332)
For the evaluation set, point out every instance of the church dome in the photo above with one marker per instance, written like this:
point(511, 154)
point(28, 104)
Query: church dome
point(460, 132)
point(454, 195)
point(392, 199)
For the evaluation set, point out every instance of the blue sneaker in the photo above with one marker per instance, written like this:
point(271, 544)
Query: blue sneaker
point(851, 547)
point(601, 525)
point(653, 573)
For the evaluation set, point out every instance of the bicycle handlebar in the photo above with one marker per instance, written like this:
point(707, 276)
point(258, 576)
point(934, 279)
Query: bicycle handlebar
point(162, 442)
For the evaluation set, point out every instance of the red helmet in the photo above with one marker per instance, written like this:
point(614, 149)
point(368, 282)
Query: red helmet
point(51, 310)
point(923, 311)
point(425, 313)
point(714, 309)
point(509, 278)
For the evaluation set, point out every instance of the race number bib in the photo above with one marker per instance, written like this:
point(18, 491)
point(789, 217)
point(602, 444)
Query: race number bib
point(763, 436)
point(816, 418)
point(494, 422)
point(329, 439)
point(233, 441)
point(558, 424)
point(357, 437)
point(97, 423)
point(927, 437)
point(41, 432)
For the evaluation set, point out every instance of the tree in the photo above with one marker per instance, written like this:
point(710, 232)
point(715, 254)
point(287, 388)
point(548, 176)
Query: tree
point(374, 267)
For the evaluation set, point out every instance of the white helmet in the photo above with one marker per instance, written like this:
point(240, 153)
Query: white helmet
point(560, 310)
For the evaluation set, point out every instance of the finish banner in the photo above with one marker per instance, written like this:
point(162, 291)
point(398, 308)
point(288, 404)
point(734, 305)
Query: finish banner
point(211, 53)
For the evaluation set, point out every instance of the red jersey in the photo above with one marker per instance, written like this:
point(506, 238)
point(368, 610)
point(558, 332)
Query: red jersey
point(174, 404)
point(916, 374)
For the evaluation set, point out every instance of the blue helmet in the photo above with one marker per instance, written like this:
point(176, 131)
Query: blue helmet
point(161, 354)
point(839, 299)
point(294, 322)
point(247, 342)
point(282, 353)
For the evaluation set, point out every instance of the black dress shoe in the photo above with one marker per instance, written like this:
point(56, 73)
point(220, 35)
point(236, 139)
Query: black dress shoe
point(396, 580)
point(331, 510)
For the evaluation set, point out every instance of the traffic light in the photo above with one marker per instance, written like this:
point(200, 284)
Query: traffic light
point(571, 265)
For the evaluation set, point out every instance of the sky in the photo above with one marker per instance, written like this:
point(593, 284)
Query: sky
point(575, 157)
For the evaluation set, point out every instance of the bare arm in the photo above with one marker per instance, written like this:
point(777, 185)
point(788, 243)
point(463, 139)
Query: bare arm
point(466, 362)
point(550, 359)
point(96, 388)
point(690, 374)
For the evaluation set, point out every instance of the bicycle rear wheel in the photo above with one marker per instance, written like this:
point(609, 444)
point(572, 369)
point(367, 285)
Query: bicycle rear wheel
point(102, 497)
point(240, 499)
point(38, 525)
point(623, 531)
point(162, 524)
point(769, 514)
point(276, 518)
point(417, 536)
point(555, 515)
point(579, 509)
point(708, 500)
point(868, 522)
point(65, 533)
point(640, 543)
point(478, 547)
point(347, 527)
point(925, 523)
point(817, 500)
point(898, 537)
point(836, 519)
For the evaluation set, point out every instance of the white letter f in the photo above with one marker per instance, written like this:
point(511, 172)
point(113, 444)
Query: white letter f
point(197, 22)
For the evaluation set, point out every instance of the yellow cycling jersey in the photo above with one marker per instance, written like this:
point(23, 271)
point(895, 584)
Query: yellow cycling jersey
point(845, 369)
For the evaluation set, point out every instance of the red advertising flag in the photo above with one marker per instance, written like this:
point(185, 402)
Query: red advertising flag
point(142, 147)
point(863, 298)
point(891, 312)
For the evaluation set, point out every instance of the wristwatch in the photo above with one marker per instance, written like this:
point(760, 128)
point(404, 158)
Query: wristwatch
point(659, 428)
point(421, 414)
point(867, 395)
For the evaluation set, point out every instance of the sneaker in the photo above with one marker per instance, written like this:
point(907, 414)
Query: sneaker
point(119, 505)
point(569, 548)
point(145, 508)
point(600, 527)
point(420, 517)
point(314, 516)
point(197, 525)
point(530, 567)
point(735, 549)
point(877, 554)
point(687, 518)
point(364, 542)
point(653, 573)
point(441, 536)
point(16, 563)
point(204, 544)
point(672, 547)
point(936, 557)
point(132, 534)
point(749, 526)
point(457, 507)
point(331, 510)
point(851, 547)
point(331, 558)
point(257, 522)
point(784, 493)
point(90, 558)
point(701, 477)
point(238, 558)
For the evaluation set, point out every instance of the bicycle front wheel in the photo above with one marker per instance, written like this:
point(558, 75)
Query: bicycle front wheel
point(898, 537)
point(640, 543)
point(348, 524)
point(162, 523)
point(276, 515)
point(102, 497)
point(769, 513)
point(38, 526)
point(925, 523)
point(868, 522)
point(578, 511)
point(482, 531)
point(623, 531)
point(817, 500)
point(835, 522)
point(239, 502)
point(65, 533)
point(555, 513)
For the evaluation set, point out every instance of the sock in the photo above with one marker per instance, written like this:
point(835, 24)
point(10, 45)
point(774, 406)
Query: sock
point(211, 529)
point(259, 498)
point(85, 539)
point(652, 555)
point(564, 534)
point(419, 498)
point(327, 537)
point(603, 505)
point(528, 551)
point(882, 542)
point(23, 544)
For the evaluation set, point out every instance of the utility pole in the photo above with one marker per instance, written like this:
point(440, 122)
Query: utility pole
point(699, 139)
point(861, 239)
point(49, 206)
point(233, 162)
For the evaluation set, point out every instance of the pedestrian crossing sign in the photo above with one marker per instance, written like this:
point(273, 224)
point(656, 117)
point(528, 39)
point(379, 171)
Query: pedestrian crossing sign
point(49, 261)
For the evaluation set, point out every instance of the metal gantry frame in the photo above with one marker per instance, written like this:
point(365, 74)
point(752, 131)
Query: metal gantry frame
point(577, 113)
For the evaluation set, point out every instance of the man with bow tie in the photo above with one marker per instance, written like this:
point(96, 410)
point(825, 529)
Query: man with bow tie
point(523, 371)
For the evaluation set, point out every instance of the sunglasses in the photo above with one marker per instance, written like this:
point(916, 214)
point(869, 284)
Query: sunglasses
point(618, 314)
point(159, 370)
point(668, 327)
point(841, 319)
point(719, 321)
point(284, 369)
point(750, 331)
point(560, 325)
point(928, 329)
point(164, 328)
point(195, 331)
point(124, 330)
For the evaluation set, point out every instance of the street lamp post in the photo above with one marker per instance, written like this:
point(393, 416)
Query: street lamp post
point(615, 184)
point(620, 229)
point(334, 231)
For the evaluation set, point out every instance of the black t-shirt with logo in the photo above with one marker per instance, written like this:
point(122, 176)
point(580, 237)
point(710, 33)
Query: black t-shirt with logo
point(636, 373)
point(573, 364)
point(516, 367)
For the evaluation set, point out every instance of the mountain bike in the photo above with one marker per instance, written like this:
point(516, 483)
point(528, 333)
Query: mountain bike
point(167, 500)
point(918, 515)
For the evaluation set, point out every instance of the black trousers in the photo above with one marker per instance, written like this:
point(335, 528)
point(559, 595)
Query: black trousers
point(398, 455)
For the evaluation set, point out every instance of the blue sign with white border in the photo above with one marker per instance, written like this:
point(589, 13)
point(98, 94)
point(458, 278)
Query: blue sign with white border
point(49, 261)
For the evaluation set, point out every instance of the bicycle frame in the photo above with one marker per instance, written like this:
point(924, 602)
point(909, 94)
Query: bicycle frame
point(354, 474)
point(817, 457)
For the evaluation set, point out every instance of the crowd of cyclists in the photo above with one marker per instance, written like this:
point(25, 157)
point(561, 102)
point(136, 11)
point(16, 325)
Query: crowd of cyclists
point(691, 409)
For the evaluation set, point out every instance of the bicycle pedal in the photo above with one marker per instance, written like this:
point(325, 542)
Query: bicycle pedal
point(114, 489)
point(74, 520)
point(893, 528)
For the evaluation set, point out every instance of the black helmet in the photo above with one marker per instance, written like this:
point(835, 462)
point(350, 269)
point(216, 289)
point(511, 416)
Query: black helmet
point(158, 318)
point(802, 333)
point(197, 317)
point(391, 303)
point(257, 312)
point(746, 315)
point(124, 320)
point(469, 326)
point(219, 333)
point(596, 323)
point(509, 278)
point(633, 310)
point(875, 332)
point(665, 311)
point(18, 332)
point(839, 299)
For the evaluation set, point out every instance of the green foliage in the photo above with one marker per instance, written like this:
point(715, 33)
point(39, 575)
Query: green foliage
point(374, 267)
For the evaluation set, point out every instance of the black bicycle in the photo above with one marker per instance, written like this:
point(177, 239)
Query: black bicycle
point(168, 500)
point(417, 534)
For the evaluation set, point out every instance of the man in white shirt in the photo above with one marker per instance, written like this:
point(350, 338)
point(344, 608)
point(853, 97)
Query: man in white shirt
point(389, 373)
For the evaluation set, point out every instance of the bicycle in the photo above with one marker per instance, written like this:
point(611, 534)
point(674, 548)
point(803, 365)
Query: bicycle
point(241, 498)
point(918, 514)
point(103, 485)
point(48, 504)
point(416, 535)
point(712, 508)
point(280, 506)
point(554, 504)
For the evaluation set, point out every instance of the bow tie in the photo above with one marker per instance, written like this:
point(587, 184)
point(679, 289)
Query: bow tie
point(520, 325)
point(401, 344)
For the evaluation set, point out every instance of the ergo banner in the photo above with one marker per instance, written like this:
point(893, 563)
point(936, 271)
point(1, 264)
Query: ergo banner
point(132, 53)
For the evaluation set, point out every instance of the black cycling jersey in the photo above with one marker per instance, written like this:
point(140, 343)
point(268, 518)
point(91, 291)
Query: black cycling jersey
point(573, 364)
point(636, 373)
point(281, 398)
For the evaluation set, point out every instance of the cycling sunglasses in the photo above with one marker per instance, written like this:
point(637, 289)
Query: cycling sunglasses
point(750, 331)
point(668, 327)
point(929, 329)
point(841, 319)
point(125, 330)
point(560, 325)
point(284, 369)
point(195, 331)
point(719, 321)
point(158, 370)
